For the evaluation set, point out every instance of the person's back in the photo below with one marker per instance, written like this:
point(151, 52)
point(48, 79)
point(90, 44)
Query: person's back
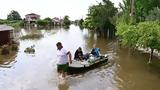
point(95, 52)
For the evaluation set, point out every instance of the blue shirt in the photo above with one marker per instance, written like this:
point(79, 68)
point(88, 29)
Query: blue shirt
point(95, 52)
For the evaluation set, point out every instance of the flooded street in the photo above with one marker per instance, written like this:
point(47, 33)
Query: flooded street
point(37, 71)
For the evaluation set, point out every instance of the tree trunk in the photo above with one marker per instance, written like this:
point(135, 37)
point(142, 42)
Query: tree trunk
point(151, 56)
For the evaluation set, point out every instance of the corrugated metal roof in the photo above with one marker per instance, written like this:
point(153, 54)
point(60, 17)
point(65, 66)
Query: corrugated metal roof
point(5, 28)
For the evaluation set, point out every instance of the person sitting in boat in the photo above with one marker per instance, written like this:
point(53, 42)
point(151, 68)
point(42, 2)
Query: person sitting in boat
point(78, 54)
point(95, 51)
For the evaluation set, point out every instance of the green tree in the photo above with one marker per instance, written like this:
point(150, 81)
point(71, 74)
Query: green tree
point(14, 15)
point(66, 21)
point(101, 17)
point(144, 6)
point(42, 22)
point(80, 22)
point(141, 8)
point(48, 20)
point(124, 12)
point(140, 34)
point(144, 35)
point(149, 33)
point(153, 15)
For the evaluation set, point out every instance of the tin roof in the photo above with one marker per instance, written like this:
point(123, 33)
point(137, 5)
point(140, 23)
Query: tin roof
point(5, 28)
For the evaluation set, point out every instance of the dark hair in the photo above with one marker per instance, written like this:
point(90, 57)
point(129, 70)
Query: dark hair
point(59, 43)
point(80, 48)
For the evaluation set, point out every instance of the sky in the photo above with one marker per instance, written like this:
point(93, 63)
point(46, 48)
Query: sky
point(75, 9)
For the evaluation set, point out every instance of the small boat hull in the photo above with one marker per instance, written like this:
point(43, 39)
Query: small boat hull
point(83, 68)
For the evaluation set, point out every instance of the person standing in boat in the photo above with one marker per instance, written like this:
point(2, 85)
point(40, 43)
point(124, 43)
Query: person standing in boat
point(63, 60)
point(95, 51)
point(78, 54)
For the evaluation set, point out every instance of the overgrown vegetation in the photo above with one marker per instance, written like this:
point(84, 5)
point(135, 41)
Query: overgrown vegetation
point(101, 17)
point(32, 36)
point(139, 27)
point(66, 21)
point(30, 50)
point(13, 19)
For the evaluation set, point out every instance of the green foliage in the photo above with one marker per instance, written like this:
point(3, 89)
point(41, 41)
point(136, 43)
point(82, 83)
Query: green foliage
point(66, 21)
point(88, 23)
point(144, 6)
point(80, 23)
point(49, 20)
point(141, 8)
point(124, 14)
point(30, 50)
point(150, 35)
point(4, 21)
point(144, 35)
point(128, 34)
point(42, 22)
point(130, 37)
point(15, 23)
point(100, 16)
point(14, 15)
point(153, 14)
point(135, 33)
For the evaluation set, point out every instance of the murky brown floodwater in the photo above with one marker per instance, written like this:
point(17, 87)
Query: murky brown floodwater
point(125, 71)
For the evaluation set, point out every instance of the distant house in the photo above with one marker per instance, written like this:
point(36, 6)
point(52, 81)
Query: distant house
point(32, 18)
point(57, 21)
point(6, 34)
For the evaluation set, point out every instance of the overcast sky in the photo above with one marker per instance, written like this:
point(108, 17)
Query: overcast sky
point(75, 9)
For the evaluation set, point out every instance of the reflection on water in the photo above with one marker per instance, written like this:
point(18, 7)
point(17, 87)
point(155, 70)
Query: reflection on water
point(37, 71)
point(63, 86)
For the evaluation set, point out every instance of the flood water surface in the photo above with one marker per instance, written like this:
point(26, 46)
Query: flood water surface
point(37, 71)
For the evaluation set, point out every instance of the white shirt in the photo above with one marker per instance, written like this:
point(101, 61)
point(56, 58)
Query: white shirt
point(62, 57)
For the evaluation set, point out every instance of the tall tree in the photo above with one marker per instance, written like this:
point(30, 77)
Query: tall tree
point(48, 20)
point(14, 15)
point(100, 17)
point(66, 21)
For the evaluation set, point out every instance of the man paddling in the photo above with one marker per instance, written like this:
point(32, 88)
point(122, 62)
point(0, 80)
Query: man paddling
point(63, 60)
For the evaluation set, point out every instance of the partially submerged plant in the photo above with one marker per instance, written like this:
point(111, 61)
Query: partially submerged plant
point(5, 50)
point(30, 49)
point(32, 36)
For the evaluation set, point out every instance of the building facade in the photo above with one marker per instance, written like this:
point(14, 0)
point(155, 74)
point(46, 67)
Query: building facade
point(32, 18)
point(6, 34)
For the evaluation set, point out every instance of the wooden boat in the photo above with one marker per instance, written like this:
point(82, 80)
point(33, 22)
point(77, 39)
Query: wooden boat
point(86, 65)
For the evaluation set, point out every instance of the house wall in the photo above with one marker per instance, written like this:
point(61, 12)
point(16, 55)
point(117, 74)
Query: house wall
point(4, 37)
point(32, 17)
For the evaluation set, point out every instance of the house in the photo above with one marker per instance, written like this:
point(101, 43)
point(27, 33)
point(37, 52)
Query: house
point(32, 18)
point(6, 34)
point(57, 21)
